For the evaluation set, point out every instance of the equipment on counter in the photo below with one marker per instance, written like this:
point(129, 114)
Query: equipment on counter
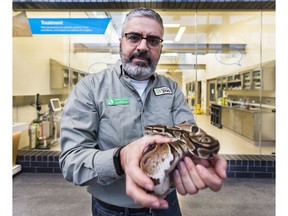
point(55, 105)
point(43, 130)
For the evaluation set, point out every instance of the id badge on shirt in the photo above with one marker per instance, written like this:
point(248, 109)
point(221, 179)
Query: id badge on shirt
point(117, 101)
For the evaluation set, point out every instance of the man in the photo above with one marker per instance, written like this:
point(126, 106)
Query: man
point(102, 128)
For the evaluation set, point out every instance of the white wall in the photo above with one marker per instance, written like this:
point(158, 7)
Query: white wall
point(31, 70)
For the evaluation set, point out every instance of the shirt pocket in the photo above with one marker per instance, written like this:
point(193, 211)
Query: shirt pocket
point(114, 125)
point(162, 109)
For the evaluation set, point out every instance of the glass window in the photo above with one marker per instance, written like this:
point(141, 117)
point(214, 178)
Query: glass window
point(218, 58)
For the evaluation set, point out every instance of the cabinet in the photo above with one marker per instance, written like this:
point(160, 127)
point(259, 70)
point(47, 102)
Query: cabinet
point(216, 115)
point(62, 76)
point(59, 75)
point(267, 79)
point(246, 84)
point(255, 80)
point(76, 76)
point(212, 91)
point(234, 82)
point(227, 117)
point(247, 123)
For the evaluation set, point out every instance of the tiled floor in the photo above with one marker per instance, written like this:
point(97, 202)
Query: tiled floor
point(46, 194)
point(231, 143)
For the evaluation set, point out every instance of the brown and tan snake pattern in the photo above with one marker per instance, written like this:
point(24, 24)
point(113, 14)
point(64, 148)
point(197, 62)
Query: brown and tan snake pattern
point(159, 160)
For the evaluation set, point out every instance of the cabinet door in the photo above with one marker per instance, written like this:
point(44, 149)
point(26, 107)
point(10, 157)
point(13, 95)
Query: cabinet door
point(248, 125)
point(268, 78)
point(81, 75)
point(59, 75)
point(74, 79)
point(264, 80)
point(237, 121)
point(246, 80)
point(234, 82)
point(256, 79)
point(212, 91)
point(76, 76)
point(227, 117)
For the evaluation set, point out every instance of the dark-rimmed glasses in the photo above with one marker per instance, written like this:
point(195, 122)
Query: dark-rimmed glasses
point(135, 39)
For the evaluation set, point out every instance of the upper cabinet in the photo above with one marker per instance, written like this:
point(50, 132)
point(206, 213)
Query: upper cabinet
point(255, 80)
point(246, 80)
point(234, 82)
point(62, 76)
point(59, 75)
point(76, 76)
point(249, 79)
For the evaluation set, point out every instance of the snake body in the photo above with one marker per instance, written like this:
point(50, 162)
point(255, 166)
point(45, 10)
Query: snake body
point(159, 160)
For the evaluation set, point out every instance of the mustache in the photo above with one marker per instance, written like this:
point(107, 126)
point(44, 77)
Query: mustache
point(143, 55)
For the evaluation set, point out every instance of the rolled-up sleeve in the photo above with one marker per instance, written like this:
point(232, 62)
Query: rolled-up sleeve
point(81, 160)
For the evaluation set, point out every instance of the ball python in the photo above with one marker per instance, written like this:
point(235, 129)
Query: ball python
point(159, 160)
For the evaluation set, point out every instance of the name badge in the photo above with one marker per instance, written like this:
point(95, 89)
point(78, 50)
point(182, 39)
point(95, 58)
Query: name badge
point(117, 101)
point(162, 91)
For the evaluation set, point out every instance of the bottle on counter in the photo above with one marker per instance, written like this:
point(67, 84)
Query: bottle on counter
point(223, 101)
point(33, 135)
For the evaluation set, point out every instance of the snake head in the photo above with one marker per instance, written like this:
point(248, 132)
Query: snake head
point(157, 129)
point(204, 146)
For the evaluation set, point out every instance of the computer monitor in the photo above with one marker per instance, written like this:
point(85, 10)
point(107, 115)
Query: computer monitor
point(55, 104)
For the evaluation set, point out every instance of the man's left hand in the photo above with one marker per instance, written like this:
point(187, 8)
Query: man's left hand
point(193, 175)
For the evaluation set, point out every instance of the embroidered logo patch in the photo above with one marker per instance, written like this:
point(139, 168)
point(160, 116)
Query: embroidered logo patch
point(162, 91)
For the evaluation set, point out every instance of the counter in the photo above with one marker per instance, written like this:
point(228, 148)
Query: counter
point(253, 123)
point(17, 129)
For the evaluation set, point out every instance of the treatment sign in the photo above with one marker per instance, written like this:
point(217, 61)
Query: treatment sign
point(68, 25)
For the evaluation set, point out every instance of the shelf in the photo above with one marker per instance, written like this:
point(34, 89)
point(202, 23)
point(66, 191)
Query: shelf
point(62, 76)
point(234, 81)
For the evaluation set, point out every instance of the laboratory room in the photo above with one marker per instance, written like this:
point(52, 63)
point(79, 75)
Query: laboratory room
point(221, 54)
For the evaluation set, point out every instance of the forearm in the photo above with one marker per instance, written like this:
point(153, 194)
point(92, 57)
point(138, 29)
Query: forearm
point(88, 165)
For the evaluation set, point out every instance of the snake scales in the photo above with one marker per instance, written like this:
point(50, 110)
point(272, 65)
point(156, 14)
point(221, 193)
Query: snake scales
point(158, 161)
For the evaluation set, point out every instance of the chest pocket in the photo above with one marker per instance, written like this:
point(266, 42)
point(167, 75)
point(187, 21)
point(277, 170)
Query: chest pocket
point(161, 109)
point(116, 125)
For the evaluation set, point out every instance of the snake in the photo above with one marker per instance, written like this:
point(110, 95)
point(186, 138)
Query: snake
point(159, 160)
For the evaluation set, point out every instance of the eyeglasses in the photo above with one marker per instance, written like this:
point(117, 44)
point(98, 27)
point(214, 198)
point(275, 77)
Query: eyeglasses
point(135, 39)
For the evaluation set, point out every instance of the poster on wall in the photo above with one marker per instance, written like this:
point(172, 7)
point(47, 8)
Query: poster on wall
point(68, 25)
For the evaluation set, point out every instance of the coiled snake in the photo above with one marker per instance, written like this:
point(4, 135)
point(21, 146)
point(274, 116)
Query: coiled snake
point(159, 160)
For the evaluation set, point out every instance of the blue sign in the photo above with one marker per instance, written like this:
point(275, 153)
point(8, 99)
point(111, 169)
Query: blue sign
point(68, 25)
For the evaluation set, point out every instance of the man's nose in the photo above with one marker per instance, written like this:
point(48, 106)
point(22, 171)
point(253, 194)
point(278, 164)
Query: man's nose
point(143, 45)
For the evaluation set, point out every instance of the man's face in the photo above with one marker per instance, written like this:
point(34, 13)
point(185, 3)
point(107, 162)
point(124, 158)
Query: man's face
point(140, 60)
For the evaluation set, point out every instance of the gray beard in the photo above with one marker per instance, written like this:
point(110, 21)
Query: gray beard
point(138, 72)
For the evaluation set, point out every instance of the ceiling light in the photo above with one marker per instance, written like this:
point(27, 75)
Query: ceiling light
point(171, 25)
point(169, 54)
point(180, 33)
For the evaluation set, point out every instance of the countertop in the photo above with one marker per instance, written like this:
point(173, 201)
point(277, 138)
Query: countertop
point(255, 109)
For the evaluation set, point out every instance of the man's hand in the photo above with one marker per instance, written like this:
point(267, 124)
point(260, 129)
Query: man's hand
point(137, 183)
point(192, 175)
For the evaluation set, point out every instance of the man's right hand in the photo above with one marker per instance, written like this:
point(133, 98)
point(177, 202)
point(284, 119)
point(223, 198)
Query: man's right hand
point(137, 183)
